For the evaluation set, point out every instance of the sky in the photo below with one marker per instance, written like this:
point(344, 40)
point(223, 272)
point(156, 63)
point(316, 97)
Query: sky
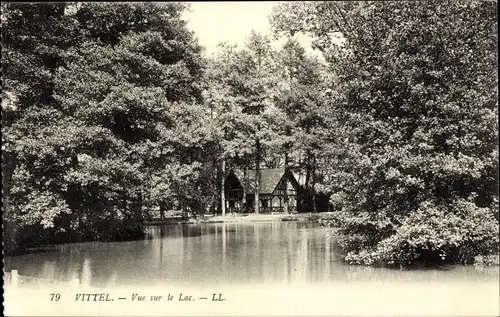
point(216, 22)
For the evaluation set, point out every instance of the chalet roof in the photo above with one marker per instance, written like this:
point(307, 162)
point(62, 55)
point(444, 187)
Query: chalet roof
point(269, 179)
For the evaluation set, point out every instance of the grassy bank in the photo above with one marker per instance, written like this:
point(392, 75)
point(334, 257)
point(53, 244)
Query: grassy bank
point(232, 218)
point(268, 217)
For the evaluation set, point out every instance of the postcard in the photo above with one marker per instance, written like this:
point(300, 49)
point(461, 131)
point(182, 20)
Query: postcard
point(286, 158)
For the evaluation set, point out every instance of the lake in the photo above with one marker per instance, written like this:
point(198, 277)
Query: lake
point(283, 253)
point(260, 268)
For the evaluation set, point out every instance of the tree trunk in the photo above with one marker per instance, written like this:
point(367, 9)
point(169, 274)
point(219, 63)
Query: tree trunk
point(308, 189)
point(285, 196)
point(138, 214)
point(162, 211)
point(313, 187)
point(222, 185)
point(244, 205)
point(183, 211)
point(308, 172)
point(257, 178)
point(10, 232)
point(218, 176)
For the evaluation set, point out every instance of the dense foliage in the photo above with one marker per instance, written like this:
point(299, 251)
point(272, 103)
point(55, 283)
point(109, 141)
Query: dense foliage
point(415, 154)
point(110, 111)
point(106, 120)
point(269, 104)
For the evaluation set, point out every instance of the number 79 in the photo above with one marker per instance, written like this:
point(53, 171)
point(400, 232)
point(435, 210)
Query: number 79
point(55, 297)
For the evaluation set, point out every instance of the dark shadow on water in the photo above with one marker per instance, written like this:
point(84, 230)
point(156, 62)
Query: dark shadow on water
point(419, 266)
point(178, 229)
point(197, 230)
point(37, 250)
point(425, 267)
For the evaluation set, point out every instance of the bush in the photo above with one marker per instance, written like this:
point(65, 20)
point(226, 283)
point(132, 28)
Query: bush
point(459, 232)
point(414, 154)
point(489, 260)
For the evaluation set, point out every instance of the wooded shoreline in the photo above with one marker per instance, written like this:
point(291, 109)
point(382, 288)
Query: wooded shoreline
point(239, 218)
point(114, 111)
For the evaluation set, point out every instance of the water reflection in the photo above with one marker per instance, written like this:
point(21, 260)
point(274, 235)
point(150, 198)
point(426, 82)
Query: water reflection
point(242, 253)
point(86, 276)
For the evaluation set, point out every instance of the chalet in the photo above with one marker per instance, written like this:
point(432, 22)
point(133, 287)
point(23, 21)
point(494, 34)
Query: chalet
point(278, 189)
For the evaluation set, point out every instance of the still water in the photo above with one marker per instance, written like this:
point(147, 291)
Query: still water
point(231, 254)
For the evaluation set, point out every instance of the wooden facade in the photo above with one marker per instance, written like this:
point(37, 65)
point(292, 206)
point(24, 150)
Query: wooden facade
point(278, 188)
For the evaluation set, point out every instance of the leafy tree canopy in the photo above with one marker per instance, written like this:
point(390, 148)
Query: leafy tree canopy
point(415, 155)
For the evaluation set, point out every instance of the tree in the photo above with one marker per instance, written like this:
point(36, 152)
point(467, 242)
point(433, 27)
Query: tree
point(234, 128)
point(240, 89)
point(33, 41)
point(416, 149)
point(258, 68)
point(104, 133)
point(301, 99)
